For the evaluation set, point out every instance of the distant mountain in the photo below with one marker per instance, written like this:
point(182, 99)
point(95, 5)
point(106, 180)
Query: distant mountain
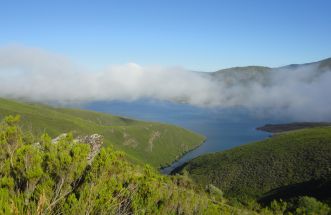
point(253, 69)
point(325, 64)
point(261, 74)
point(243, 75)
point(321, 65)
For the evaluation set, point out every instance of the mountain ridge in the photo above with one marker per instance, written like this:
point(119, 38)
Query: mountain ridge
point(324, 63)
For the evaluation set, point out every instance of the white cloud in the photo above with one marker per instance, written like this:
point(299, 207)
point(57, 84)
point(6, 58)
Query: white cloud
point(37, 75)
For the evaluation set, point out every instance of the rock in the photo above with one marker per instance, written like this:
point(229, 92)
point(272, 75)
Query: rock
point(95, 141)
point(58, 138)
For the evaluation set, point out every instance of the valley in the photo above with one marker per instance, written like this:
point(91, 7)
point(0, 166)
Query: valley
point(221, 154)
point(165, 107)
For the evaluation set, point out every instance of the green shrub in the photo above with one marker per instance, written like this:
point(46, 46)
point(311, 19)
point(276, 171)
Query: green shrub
point(310, 206)
point(47, 177)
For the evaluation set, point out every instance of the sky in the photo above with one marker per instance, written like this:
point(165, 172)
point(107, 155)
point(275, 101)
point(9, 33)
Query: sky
point(199, 35)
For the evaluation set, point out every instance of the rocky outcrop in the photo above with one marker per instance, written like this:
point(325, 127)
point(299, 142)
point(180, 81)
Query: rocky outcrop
point(58, 138)
point(95, 141)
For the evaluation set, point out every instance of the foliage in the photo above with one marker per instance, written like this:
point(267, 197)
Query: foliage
point(309, 205)
point(294, 163)
point(54, 177)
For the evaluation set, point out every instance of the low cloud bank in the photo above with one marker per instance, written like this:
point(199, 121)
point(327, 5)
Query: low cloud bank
point(301, 93)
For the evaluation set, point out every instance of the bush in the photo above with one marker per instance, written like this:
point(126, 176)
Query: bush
point(311, 206)
point(54, 177)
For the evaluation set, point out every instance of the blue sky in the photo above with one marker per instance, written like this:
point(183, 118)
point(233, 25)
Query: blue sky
point(197, 35)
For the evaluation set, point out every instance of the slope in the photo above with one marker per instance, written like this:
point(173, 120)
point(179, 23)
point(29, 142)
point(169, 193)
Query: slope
point(61, 177)
point(291, 164)
point(154, 143)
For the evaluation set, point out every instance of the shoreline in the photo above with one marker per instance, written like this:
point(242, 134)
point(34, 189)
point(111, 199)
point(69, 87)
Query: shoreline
point(286, 127)
point(161, 169)
point(185, 153)
point(268, 128)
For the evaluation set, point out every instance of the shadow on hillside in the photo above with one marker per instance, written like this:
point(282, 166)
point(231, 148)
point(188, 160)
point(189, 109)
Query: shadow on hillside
point(320, 189)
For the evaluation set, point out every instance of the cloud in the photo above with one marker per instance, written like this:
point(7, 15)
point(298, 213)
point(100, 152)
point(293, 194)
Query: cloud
point(37, 75)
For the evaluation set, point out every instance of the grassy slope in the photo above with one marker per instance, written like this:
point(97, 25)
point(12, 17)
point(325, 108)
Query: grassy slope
point(301, 158)
point(134, 137)
point(56, 178)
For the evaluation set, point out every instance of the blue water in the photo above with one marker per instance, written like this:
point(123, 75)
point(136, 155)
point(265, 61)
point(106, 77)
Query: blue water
point(224, 128)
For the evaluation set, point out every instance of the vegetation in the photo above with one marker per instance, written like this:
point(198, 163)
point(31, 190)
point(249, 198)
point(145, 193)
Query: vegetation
point(59, 176)
point(288, 165)
point(309, 205)
point(55, 177)
point(287, 174)
point(154, 143)
point(277, 128)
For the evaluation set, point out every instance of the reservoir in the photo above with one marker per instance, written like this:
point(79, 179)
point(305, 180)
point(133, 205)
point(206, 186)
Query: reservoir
point(223, 128)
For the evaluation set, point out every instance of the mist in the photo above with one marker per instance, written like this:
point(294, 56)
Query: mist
point(301, 93)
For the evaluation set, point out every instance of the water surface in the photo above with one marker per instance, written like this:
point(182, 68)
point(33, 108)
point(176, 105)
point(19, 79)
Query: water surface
point(223, 128)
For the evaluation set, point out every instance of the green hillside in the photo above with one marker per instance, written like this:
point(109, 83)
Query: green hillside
point(287, 165)
point(155, 143)
point(56, 177)
point(67, 175)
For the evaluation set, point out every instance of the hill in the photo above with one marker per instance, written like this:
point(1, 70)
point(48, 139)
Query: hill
point(243, 75)
point(249, 75)
point(291, 164)
point(68, 175)
point(155, 143)
point(78, 176)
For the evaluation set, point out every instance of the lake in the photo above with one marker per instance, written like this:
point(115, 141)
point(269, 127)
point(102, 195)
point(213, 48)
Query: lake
point(224, 128)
